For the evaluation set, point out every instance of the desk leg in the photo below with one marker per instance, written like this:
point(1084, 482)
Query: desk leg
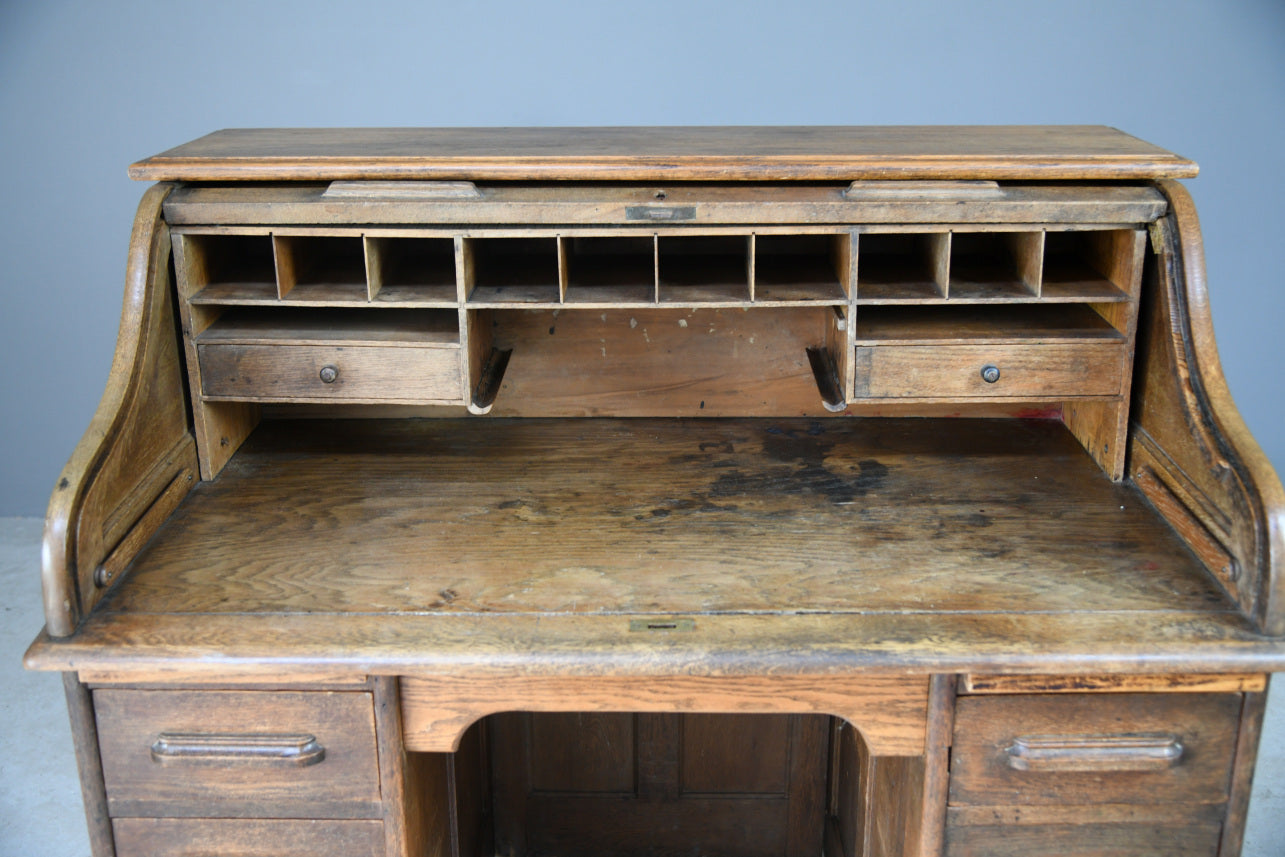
point(84, 735)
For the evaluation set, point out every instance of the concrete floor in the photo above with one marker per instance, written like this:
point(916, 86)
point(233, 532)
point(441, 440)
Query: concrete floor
point(40, 809)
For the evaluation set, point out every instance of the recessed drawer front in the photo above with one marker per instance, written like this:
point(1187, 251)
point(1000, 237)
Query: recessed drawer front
point(1009, 371)
point(198, 837)
point(330, 373)
point(1083, 749)
point(238, 754)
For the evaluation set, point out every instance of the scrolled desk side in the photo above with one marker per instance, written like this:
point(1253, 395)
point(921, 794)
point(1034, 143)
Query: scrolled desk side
point(1190, 451)
point(137, 459)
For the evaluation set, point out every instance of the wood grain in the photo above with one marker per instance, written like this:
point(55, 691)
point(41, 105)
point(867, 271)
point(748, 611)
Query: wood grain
point(1242, 780)
point(222, 837)
point(89, 765)
point(889, 711)
point(956, 371)
point(656, 153)
point(1179, 839)
point(174, 647)
point(637, 784)
point(719, 516)
point(137, 442)
point(1204, 727)
point(1187, 429)
point(362, 373)
point(1187, 683)
point(209, 208)
point(345, 784)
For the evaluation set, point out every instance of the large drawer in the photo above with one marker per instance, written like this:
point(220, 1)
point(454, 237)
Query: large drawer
point(1088, 839)
point(238, 754)
point(1082, 749)
point(330, 373)
point(198, 837)
point(1040, 370)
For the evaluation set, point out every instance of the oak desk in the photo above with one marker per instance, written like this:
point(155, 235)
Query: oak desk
point(665, 491)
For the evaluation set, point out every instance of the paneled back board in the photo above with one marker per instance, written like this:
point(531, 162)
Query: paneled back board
point(636, 491)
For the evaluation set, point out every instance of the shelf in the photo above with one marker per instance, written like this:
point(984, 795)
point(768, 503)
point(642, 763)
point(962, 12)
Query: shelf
point(420, 328)
point(940, 325)
point(799, 269)
point(706, 270)
point(320, 269)
point(999, 267)
point(230, 268)
point(902, 268)
point(610, 271)
point(513, 271)
point(995, 266)
point(411, 271)
point(1072, 267)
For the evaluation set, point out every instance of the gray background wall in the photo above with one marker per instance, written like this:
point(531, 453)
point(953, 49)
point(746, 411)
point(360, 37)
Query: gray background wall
point(85, 88)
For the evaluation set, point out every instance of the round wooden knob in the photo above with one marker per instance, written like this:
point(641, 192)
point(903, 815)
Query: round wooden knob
point(329, 374)
point(990, 374)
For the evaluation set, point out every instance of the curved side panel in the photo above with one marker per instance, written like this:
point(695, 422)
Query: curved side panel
point(137, 459)
point(1190, 452)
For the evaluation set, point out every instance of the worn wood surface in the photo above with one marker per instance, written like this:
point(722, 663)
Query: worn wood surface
point(205, 206)
point(662, 516)
point(1185, 683)
point(241, 837)
point(660, 362)
point(1103, 427)
point(343, 784)
point(405, 828)
point(679, 153)
point(220, 427)
point(1242, 781)
point(1188, 434)
point(936, 783)
point(175, 646)
point(958, 371)
point(888, 710)
point(1088, 838)
point(361, 373)
point(137, 443)
point(989, 730)
point(84, 735)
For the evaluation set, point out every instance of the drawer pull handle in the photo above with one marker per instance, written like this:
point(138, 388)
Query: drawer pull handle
point(293, 750)
point(1149, 752)
point(328, 374)
point(990, 374)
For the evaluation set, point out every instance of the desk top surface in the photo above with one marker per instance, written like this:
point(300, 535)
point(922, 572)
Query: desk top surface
point(737, 153)
point(804, 545)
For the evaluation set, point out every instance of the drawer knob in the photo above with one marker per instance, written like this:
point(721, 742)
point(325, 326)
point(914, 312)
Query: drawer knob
point(329, 373)
point(990, 374)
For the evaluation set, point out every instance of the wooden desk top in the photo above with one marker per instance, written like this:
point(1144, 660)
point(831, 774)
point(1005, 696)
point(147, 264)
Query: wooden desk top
point(819, 153)
point(795, 545)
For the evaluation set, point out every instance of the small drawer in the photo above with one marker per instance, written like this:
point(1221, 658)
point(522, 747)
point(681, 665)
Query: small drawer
point(1081, 749)
point(198, 837)
point(1007, 371)
point(284, 373)
point(238, 754)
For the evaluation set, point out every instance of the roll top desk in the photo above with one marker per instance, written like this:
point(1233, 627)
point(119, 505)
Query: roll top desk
point(758, 492)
